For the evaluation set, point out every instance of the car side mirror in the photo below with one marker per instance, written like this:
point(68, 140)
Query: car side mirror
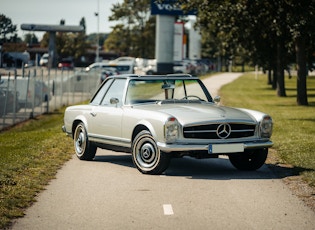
point(217, 99)
point(114, 100)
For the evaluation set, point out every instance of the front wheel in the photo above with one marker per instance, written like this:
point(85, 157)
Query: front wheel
point(146, 155)
point(249, 160)
point(83, 148)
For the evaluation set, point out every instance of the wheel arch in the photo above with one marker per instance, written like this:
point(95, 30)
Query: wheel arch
point(138, 129)
point(145, 125)
point(76, 122)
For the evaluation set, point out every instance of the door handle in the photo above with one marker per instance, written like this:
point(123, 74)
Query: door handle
point(93, 114)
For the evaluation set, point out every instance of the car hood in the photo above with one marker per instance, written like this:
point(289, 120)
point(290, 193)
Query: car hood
point(203, 113)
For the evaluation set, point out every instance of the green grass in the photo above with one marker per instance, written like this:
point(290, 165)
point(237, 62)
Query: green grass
point(294, 126)
point(31, 153)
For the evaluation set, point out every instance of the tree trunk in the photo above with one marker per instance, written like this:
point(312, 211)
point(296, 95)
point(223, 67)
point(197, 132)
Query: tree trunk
point(274, 71)
point(301, 71)
point(280, 70)
point(274, 77)
point(269, 77)
point(270, 69)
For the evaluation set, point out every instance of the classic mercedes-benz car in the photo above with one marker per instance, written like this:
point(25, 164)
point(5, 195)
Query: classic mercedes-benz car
point(158, 117)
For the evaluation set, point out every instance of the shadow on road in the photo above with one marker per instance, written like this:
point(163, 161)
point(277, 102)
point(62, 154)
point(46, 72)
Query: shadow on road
point(122, 160)
point(211, 169)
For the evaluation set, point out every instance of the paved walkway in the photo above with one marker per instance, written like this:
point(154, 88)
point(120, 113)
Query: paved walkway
point(214, 83)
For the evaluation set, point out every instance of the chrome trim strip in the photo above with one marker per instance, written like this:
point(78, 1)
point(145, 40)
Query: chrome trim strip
point(108, 138)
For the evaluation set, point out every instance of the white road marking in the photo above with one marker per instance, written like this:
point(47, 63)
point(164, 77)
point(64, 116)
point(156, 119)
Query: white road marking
point(168, 210)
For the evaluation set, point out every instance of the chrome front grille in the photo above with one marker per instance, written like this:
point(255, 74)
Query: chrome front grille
point(219, 131)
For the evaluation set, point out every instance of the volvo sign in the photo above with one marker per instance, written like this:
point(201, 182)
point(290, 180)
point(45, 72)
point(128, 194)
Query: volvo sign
point(166, 12)
point(168, 7)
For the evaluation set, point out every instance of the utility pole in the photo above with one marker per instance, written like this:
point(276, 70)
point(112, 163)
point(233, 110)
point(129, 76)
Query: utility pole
point(97, 14)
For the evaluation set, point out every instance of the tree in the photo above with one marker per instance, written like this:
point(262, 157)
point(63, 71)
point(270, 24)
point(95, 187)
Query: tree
point(69, 44)
point(117, 41)
point(45, 40)
point(267, 30)
point(30, 38)
point(137, 28)
point(81, 41)
point(301, 19)
point(7, 29)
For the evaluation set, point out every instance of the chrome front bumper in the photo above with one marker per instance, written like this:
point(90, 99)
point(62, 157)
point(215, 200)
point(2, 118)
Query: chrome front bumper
point(205, 147)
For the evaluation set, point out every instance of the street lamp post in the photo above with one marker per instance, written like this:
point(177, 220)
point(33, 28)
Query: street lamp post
point(0, 56)
point(97, 14)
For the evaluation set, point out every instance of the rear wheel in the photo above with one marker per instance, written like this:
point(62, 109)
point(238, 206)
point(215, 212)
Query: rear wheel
point(146, 155)
point(249, 160)
point(83, 148)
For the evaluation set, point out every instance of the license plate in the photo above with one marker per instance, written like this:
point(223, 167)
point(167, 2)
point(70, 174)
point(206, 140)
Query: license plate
point(226, 148)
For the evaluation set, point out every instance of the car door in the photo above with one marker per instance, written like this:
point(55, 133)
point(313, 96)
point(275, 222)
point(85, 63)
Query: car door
point(105, 123)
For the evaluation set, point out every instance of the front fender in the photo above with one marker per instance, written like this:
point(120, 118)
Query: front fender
point(76, 121)
point(156, 129)
point(258, 116)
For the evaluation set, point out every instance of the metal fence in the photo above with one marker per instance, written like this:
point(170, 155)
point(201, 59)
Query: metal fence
point(27, 93)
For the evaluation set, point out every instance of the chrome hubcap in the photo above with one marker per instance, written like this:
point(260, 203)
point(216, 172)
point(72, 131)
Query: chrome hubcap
point(80, 142)
point(147, 153)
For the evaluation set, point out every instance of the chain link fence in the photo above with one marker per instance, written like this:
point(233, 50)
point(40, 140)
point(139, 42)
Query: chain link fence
point(27, 93)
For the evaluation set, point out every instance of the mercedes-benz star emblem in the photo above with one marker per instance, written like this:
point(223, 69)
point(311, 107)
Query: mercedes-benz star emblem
point(224, 131)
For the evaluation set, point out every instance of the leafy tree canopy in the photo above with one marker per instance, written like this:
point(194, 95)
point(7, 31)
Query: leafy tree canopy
point(268, 32)
point(7, 29)
point(135, 35)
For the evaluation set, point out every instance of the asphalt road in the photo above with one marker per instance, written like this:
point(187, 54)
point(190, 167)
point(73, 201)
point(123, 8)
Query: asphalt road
point(110, 193)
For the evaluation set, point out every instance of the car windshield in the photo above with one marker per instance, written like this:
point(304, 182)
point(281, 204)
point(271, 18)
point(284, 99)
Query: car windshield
point(165, 91)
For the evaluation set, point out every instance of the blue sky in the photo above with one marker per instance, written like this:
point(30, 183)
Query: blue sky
point(52, 11)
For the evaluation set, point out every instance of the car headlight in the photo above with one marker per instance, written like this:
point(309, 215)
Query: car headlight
point(266, 127)
point(171, 128)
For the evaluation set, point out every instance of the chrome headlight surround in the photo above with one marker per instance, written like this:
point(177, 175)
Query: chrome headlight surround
point(171, 130)
point(265, 127)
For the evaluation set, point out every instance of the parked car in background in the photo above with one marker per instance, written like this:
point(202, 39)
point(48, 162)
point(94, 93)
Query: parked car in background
point(66, 64)
point(97, 66)
point(181, 67)
point(151, 67)
point(131, 60)
point(158, 117)
point(44, 60)
point(105, 73)
point(120, 68)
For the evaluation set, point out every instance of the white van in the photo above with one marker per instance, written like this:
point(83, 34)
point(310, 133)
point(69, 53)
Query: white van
point(121, 67)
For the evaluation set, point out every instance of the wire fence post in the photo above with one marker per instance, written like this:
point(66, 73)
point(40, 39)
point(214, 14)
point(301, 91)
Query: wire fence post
point(14, 97)
point(49, 90)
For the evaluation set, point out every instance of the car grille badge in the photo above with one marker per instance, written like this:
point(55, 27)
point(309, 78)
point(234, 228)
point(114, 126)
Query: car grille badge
point(224, 131)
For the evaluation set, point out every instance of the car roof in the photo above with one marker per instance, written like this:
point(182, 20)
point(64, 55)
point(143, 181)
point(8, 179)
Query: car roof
point(156, 77)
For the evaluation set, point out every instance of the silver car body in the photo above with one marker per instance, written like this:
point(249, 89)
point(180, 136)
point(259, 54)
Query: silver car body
point(180, 125)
